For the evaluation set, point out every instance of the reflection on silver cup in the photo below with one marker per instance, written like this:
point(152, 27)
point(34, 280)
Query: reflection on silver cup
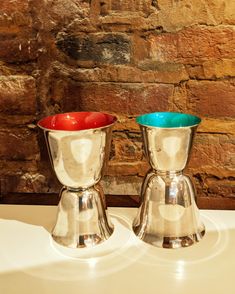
point(168, 216)
point(78, 145)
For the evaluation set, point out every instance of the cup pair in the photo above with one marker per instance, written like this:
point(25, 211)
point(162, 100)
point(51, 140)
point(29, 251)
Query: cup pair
point(78, 145)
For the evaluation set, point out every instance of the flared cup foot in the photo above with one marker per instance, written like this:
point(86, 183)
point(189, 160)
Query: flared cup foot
point(81, 219)
point(84, 241)
point(172, 242)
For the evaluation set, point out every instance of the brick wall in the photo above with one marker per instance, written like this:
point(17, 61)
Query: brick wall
point(124, 57)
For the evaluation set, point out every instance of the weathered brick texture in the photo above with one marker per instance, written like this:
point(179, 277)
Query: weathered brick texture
point(193, 45)
point(212, 98)
point(18, 41)
point(130, 98)
point(18, 144)
point(101, 48)
point(17, 95)
point(126, 58)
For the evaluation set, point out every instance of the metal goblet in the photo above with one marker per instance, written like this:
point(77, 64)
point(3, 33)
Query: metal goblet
point(78, 145)
point(168, 216)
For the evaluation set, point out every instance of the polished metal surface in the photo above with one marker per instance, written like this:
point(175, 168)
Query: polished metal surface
point(81, 219)
point(78, 158)
point(168, 216)
point(167, 149)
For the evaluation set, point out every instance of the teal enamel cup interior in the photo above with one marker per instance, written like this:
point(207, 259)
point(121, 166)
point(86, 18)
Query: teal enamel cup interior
point(168, 120)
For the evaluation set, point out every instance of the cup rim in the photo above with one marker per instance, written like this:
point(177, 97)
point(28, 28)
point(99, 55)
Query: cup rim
point(161, 126)
point(111, 117)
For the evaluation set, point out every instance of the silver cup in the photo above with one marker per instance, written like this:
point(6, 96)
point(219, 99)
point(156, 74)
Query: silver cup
point(78, 145)
point(168, 216)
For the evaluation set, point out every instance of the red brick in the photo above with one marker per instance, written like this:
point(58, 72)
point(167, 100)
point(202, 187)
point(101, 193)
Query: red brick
point(18, 144)
point(13, 23)
point(179, 99)
point(127, 22)
point(163, 47)
point(206, 202)
point(213, 154)
point(192, 45)
point(212, 98)
point(9, 120)
point(127, 150)
point(14, 16)
point(32, 182)
point(21, 49)
point(217, 126)
point(147, 72)
point(206, 43)
point(175, 15)
point(219, 68)
point(140, 48)
point(13, 167)
point(196, 71)
point(224, 188)
point(112, 97)
point(126, 5)
point(61, 13)
point(122, 185)
point(10, 7)
point(126, 123)
point(26, 182)
point(215, 188)
point(17, 39)
point(164, 72)
point(121, 168)
point(17, 95)
point(102, 48)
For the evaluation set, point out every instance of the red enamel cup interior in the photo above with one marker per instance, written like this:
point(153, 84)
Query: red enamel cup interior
point(76, 121)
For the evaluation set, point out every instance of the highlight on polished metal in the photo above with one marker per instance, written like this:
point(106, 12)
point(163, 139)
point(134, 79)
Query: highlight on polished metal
point(78, 144)
point(168, 216)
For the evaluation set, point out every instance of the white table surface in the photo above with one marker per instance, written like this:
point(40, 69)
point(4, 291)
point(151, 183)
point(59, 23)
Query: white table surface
point(29, 263)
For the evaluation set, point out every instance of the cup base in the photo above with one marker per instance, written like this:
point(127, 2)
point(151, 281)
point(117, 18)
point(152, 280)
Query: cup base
point(171, 242)
point(82, 221)
point(84, 241)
